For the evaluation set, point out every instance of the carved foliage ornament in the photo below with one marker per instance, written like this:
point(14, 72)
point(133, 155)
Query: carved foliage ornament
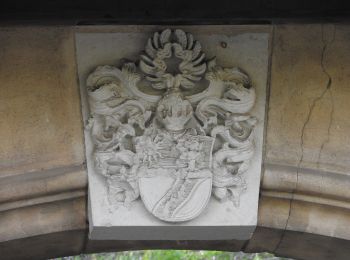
point(176, 148)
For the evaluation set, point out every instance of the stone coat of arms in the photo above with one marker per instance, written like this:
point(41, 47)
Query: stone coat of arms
point(172, 129)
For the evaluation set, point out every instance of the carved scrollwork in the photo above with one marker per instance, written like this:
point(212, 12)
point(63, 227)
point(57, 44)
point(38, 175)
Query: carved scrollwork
point(189, 147)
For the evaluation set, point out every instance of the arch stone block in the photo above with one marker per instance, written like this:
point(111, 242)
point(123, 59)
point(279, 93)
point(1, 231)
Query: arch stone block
point(174, 138)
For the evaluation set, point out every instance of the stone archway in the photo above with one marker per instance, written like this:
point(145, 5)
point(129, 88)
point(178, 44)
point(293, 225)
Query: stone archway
point(303, 205)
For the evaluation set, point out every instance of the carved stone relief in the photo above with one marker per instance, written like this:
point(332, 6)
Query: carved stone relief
point(173, 138)
point(195, 145)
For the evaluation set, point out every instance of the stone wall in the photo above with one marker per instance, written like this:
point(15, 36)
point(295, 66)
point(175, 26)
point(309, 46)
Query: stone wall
point(304, 203)
point(42, 174)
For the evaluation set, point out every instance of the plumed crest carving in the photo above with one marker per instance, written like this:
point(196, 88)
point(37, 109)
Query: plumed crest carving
point(171, 150)
point(169, 44)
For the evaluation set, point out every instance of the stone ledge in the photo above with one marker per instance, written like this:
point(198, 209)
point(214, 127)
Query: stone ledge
point(43, 218)
point(304, 216)
point(41, 200)
point(42, 183)
point(285, 213)
point(307, 182)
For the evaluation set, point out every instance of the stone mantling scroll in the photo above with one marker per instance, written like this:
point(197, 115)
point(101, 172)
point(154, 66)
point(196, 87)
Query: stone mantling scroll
point(172, 132)
point(197, 145)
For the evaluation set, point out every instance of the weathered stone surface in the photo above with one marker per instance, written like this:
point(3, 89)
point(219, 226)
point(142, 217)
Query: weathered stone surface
point(308, 146)
point(43, 218)
point(45, 246)
point(317, 218)
point(309, 108)
point(264, 240)
point(40, 126)
point(273, 212)
point(304, 214)
point(298, 245)
point(305, 182)
point(301, 245)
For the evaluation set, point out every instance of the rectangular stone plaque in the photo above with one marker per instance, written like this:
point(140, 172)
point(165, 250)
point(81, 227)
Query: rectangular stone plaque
point(174, 122)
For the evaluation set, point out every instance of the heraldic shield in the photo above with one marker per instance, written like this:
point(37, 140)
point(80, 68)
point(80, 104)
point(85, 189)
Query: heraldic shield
point(177, 185)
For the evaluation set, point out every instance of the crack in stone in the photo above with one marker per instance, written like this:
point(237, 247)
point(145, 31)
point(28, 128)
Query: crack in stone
point(329, 89)
point(328, 129)
point(306, 122)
